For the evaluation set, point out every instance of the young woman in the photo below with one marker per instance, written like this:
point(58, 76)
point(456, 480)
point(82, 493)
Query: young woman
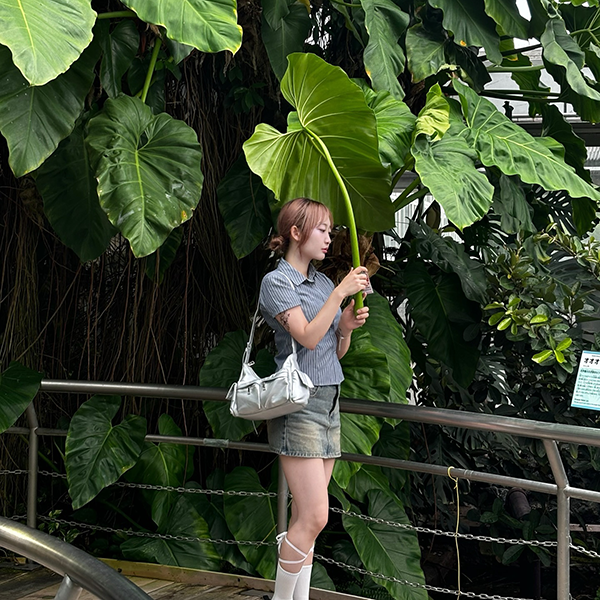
point(296, 300)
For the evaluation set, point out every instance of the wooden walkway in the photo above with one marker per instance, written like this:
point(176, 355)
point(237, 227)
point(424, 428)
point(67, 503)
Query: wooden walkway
point(159, 582)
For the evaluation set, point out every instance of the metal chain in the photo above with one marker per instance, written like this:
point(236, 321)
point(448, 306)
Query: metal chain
point(467, 536)
point(161, 536)
point(14, 472)
point(413, 584)
point(583, 550)
point(181, 490)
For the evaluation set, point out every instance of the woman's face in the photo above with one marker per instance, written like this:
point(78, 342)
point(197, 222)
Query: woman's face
point(318, 241)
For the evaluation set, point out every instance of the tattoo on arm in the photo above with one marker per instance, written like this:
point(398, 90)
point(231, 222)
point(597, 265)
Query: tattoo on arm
point(284, 319)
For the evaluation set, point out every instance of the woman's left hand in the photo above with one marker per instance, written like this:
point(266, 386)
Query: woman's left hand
point(350, 321)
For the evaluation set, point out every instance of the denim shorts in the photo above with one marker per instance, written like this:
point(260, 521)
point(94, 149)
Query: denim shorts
point(314, 431)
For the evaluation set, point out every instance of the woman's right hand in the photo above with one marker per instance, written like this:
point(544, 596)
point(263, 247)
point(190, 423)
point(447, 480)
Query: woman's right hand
point(356, 281)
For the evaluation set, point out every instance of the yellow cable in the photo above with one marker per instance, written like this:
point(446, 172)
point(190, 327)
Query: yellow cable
point(455, 479)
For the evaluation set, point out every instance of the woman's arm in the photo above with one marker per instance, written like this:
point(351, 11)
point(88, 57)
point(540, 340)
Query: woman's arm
point(348, 323)
point(309, 334)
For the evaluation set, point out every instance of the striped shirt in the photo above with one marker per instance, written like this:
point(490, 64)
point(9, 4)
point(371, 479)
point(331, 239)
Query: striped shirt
point(285, 288)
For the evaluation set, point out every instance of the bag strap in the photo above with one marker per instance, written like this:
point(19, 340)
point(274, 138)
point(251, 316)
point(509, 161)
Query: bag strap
point(250, 343)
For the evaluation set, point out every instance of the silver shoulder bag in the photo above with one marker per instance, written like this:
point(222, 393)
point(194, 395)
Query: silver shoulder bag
point(284, 392)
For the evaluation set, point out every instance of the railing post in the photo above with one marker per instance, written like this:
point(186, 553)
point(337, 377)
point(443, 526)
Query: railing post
point(32, 484)
point(563, 521)
point(282, 501)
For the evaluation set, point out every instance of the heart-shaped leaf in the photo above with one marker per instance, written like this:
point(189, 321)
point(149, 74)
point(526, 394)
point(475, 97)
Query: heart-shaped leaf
point(332, 108)
point(386, 549)
point(96, 453)
point(467, 21)
point(425, 51)
point(163, 464)
point(252, 518)
point(18, 387)
point(383, 57)
point(500, 142)
point(148, 171)
point(447, 168)
point(68, 187)
point(183, 520)
point(245, 205)
point(209, 25)
point(34, 119)
point(45, 38)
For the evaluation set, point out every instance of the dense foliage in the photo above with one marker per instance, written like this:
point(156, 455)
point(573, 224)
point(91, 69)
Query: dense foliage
point(147, 145)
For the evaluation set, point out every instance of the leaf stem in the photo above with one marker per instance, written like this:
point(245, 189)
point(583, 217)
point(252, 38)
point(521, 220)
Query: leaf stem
point(525, 92)
point(117, 14)
point(524, 69)
point(520, 50)
point(358, 300)
point(153, 59)
point(122, 513)
point(406, 201)
point(518, 98)
point(411, 186)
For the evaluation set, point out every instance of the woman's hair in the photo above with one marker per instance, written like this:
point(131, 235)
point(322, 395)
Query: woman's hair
point(305, 214)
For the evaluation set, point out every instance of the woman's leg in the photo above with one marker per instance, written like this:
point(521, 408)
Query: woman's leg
point(307, 479)
point(302, 589)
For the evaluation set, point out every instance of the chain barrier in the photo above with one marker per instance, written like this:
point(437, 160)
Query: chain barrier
point(452, 534)
point(413, 584)
point(583, 550)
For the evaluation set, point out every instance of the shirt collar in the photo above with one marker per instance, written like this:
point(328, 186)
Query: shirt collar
point(294, 274)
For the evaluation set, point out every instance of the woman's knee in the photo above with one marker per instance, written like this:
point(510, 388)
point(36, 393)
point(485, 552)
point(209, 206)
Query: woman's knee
point(315, 518)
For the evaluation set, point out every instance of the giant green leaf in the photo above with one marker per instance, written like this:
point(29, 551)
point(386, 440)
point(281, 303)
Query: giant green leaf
point(367, 478)
point(286, 35)
point(252, 518)
point(425, 51)
point(386, 549)
point(584, 23)
point(35, 119)
point(182, 520)
point(527, 81)
point(333, 108)
point(500, 142)
point(359, 434)
point(119, 48)
point(18, 387)
point(163, 464)
point(383, 57)
point(208, 25)
point(245, 205)
point(506, 14)
point(45, 38)
point(148, 171)
point(469, 24)
point(560, 49)
point(68, 188)
point(395, 124)
point(447, 168)
point(394, 442)
point(96, 453)
point(220, 369)
point(387, 336)
point(450, 256)
point(441, 313)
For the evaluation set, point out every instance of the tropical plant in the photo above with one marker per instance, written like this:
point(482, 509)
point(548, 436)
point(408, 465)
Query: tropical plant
point(128, 123)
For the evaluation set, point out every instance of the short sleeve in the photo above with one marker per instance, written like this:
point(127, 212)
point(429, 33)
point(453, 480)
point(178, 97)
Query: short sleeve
point(277, 294)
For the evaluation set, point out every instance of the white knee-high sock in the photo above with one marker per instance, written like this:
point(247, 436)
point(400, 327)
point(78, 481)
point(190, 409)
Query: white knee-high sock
point(285, 582)
point(302, 589)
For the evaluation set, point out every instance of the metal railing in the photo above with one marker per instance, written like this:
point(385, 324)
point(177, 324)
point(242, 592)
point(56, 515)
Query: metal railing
point(79, 570)
point(549, 433)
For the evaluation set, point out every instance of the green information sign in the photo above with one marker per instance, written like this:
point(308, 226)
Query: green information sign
point(587, 386)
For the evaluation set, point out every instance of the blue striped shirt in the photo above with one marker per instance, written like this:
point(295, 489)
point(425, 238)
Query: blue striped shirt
point(285, 288)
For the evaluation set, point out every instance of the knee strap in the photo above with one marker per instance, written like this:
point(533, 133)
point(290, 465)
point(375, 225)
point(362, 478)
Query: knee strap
point(282, 537)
